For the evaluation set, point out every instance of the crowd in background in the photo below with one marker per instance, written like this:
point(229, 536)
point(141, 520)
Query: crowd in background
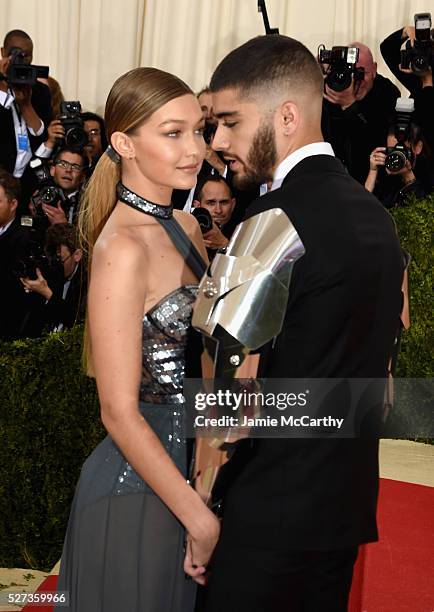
point(49, 148)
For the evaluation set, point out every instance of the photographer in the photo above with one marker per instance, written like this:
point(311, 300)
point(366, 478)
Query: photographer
point(67, 172)
point(355, 120)
point(57, 308)
point(13, 244)
point(25, 111)
point(419, 83)
point(394, 181)
point(97, 141)
point(214, 195)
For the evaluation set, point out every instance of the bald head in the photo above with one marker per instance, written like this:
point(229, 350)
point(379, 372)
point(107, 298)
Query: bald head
point(365, 61)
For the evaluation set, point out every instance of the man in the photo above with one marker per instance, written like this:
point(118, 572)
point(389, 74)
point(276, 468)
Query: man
point(355, 120)
point(13, 244)
point(67, 171)
point(25, 112)
point(58, 308)
point(97, 141)
point(295, 510)
point(215, 195)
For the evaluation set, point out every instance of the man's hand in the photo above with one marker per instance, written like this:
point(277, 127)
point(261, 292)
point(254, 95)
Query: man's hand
point(54, 214)
point(214, 160)
point(39, 285)
point(344, 99)
point(23, 95)
point(200, 548)
point(55, 131)
point(4, 65)
point(214, 239)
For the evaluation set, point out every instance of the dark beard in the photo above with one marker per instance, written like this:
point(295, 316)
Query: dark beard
point(261, 159)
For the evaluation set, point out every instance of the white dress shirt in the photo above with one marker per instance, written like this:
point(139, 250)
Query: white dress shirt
point(294, 158)
point(7, 100)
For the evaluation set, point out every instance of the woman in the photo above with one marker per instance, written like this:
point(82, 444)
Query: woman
point(133, 504)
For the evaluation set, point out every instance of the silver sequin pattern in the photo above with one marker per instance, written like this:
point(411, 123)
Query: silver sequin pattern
point(165, 329)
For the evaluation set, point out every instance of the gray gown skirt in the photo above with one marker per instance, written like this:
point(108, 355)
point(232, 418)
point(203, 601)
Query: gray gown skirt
point(124, 549)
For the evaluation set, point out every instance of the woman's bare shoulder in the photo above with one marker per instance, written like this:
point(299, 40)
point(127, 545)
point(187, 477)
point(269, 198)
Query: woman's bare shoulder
point(121, 247)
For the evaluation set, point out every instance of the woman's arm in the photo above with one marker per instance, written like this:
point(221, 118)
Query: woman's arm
point(116, 303)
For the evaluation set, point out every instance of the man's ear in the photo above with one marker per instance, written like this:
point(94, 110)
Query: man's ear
point(52, 169)
point(288, 118)
point(77, 255)
point(13, 204)
point(123, 145)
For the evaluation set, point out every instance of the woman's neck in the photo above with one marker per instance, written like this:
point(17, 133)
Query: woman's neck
point(158, 194)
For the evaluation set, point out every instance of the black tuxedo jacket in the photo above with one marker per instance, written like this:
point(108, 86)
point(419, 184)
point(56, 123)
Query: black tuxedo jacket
point(14, 301)
point(341, 320)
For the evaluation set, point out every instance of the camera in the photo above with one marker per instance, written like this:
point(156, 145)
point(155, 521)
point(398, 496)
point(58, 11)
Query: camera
point(48, 192)
point(20, 73)
point(35, 257)
point(420, 57)
point(397, 156)
point(72, 123)
point(203, 217)
point(341, 68)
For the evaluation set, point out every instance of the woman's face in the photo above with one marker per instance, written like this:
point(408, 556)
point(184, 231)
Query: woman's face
point(169, 148)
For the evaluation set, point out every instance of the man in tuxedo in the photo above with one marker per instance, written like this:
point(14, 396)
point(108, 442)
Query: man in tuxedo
point(296, 510)
point(57, 307)
point(25, 112)
point(14, 240)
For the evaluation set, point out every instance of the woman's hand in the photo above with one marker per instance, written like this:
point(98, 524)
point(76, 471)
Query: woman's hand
point(377, 158)
point(200, 546)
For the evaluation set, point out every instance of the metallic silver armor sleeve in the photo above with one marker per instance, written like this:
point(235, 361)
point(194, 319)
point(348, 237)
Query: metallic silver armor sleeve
point(243, 296)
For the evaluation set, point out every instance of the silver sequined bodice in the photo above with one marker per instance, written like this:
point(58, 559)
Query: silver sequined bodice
point(165, 329)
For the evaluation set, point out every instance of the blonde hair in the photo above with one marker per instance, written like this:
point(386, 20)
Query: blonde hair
point(134, 97)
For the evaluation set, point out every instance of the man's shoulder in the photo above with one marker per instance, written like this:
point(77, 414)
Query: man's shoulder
point(383, 84)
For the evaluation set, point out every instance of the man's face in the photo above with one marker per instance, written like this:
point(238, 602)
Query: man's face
point(365, 61)
point(216, 198)
point(205, 101)
point(25, 44)
point(67, 171)
point(68, 259)
point(93, 131)
point(246, 139)
point(7, 208)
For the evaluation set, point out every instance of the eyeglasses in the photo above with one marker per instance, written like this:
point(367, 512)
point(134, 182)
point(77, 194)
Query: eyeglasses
point(94, 132)
point(59, 257)
point(66, 165)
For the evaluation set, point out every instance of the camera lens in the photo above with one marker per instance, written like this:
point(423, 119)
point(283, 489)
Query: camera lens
point(204, 218)
point(338, 80)
point(48, 194)
point(395, 161)
point(420, 64)
point(76, 137)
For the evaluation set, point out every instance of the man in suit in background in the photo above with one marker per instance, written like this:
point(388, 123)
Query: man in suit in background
point(25, 112)
point(296, 510)
point(14, 240)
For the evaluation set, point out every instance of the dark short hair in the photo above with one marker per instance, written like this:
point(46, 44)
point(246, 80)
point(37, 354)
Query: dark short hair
point(88, 116)
point(211, 178)
point(10, 184)
point(73, 150)
point(265, 62)
point(61, 233)
point(14, 34)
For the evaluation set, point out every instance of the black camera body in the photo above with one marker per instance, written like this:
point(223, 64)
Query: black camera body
point(203, 217)
point(341, 69)
point(20, 73)
point(35, 257)
point(397, 156)
point(420, 57)
point(48, 192)
point(70, 118)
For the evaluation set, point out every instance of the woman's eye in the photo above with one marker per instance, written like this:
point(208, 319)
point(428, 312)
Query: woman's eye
point(173, 134)
point(199, 131)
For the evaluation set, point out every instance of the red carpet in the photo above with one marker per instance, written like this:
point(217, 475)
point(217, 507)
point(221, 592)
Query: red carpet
point(395, 574)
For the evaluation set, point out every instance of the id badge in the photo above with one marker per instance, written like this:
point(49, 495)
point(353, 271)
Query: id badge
point(23, 142)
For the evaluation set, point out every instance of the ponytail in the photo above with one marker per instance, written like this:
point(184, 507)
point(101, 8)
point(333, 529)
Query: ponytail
point(98, 202)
